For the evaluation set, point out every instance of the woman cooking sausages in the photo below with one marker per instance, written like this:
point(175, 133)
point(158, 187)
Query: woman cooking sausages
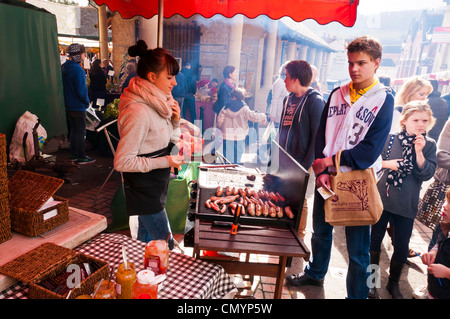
point(148, 126)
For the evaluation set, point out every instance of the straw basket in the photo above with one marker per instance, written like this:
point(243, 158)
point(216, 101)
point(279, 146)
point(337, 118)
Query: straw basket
point(5, 222)
point(49, 260)
point(29, 191)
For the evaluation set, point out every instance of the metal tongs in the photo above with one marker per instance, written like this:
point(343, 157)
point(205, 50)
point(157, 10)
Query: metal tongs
point(225, 163)
point(235, 225)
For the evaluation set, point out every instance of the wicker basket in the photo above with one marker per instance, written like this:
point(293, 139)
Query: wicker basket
point(5, 222)
point(49, 260)
point(29, 191)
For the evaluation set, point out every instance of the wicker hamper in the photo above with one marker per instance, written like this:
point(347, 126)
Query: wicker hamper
point(29, 191)
point(5, 222)
point(49, 260)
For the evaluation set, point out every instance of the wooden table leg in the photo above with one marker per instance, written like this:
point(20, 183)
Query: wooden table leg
point(280, 278)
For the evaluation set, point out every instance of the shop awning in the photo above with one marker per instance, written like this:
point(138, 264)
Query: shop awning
point(323, 11)
point(88, 43)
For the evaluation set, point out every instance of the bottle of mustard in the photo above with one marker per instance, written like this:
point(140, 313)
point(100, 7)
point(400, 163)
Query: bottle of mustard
point(125, 278)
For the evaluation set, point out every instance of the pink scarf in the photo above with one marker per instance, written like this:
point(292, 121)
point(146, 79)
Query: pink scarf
point(143, 91)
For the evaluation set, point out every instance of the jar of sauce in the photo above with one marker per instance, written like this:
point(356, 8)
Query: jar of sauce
point(125, 279)
point(143, 287)
point(157, 256)
point(106, 291)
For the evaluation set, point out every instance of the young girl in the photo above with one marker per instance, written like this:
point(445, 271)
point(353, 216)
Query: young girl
point(149, 126)
point(410, 159)
point(233, 123)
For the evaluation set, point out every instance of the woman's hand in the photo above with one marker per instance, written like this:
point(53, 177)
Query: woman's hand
point(176, 111)
point(391, 164)
point(175, 160)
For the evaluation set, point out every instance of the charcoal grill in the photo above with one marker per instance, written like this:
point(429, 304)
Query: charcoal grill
point(283, 175)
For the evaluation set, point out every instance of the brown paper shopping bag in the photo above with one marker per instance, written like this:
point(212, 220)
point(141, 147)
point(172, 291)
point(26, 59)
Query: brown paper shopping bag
point(357, 201)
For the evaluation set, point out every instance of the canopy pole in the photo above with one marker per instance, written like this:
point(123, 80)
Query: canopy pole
point(103, 32)
point(160, 22)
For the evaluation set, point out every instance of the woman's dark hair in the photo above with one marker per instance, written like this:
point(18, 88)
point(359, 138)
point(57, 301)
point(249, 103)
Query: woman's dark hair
point(301, 70)
point(96, 67)
point(153, 60)
point(227, 70)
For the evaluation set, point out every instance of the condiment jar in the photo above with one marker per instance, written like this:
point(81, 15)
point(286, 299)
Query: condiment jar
point(144, 288)
point(106, 291)
point(157, 256)
point(125, 279)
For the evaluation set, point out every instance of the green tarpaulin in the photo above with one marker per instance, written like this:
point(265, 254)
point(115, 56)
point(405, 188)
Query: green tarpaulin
point(30, 73)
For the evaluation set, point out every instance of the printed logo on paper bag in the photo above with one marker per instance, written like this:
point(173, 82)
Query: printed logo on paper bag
point(359, 189)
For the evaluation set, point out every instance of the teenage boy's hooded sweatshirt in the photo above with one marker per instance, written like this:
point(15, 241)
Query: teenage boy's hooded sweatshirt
point(360, 129)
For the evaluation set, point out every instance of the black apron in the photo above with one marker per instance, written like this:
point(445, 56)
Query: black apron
point(146, 193)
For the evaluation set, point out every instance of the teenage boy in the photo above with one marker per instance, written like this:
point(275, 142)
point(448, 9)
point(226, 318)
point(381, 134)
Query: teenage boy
point(356, 119)
point(300, 119)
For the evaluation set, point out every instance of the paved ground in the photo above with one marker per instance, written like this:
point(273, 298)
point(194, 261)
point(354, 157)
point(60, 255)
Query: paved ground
point(83, 191)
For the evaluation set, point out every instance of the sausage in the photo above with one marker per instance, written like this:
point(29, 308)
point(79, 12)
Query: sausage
point(251, 209)
point(248, 191)
point(224, 200)
point(266, 209)
point(219, 191)
point(208, 203)
point(261, 194)
point(233, 206)
point(273, 196)
point(279, 211)
point(223, 209)
point(272, 212)
point(241, 192)
point(271, 204)
point(288, 212)
point(258, 210)
point(280, 198)
point(234, 191)
point(228, 191)
point(229, 199)
point(253, 200)
point(215, 206)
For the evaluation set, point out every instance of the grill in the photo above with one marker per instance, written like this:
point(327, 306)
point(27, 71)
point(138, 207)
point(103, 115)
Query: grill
point(283, 175)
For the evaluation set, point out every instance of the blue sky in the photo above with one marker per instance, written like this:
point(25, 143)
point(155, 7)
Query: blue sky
point(370, 6)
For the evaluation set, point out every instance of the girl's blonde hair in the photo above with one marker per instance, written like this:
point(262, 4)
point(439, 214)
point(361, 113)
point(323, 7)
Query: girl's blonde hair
point(410, 87)
point(417, 106)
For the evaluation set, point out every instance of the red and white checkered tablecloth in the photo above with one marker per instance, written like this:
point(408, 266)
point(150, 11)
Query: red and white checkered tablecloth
point(187, 277)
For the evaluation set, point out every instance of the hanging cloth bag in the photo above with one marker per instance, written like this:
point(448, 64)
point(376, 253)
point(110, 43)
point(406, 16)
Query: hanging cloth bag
point(357, 201)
